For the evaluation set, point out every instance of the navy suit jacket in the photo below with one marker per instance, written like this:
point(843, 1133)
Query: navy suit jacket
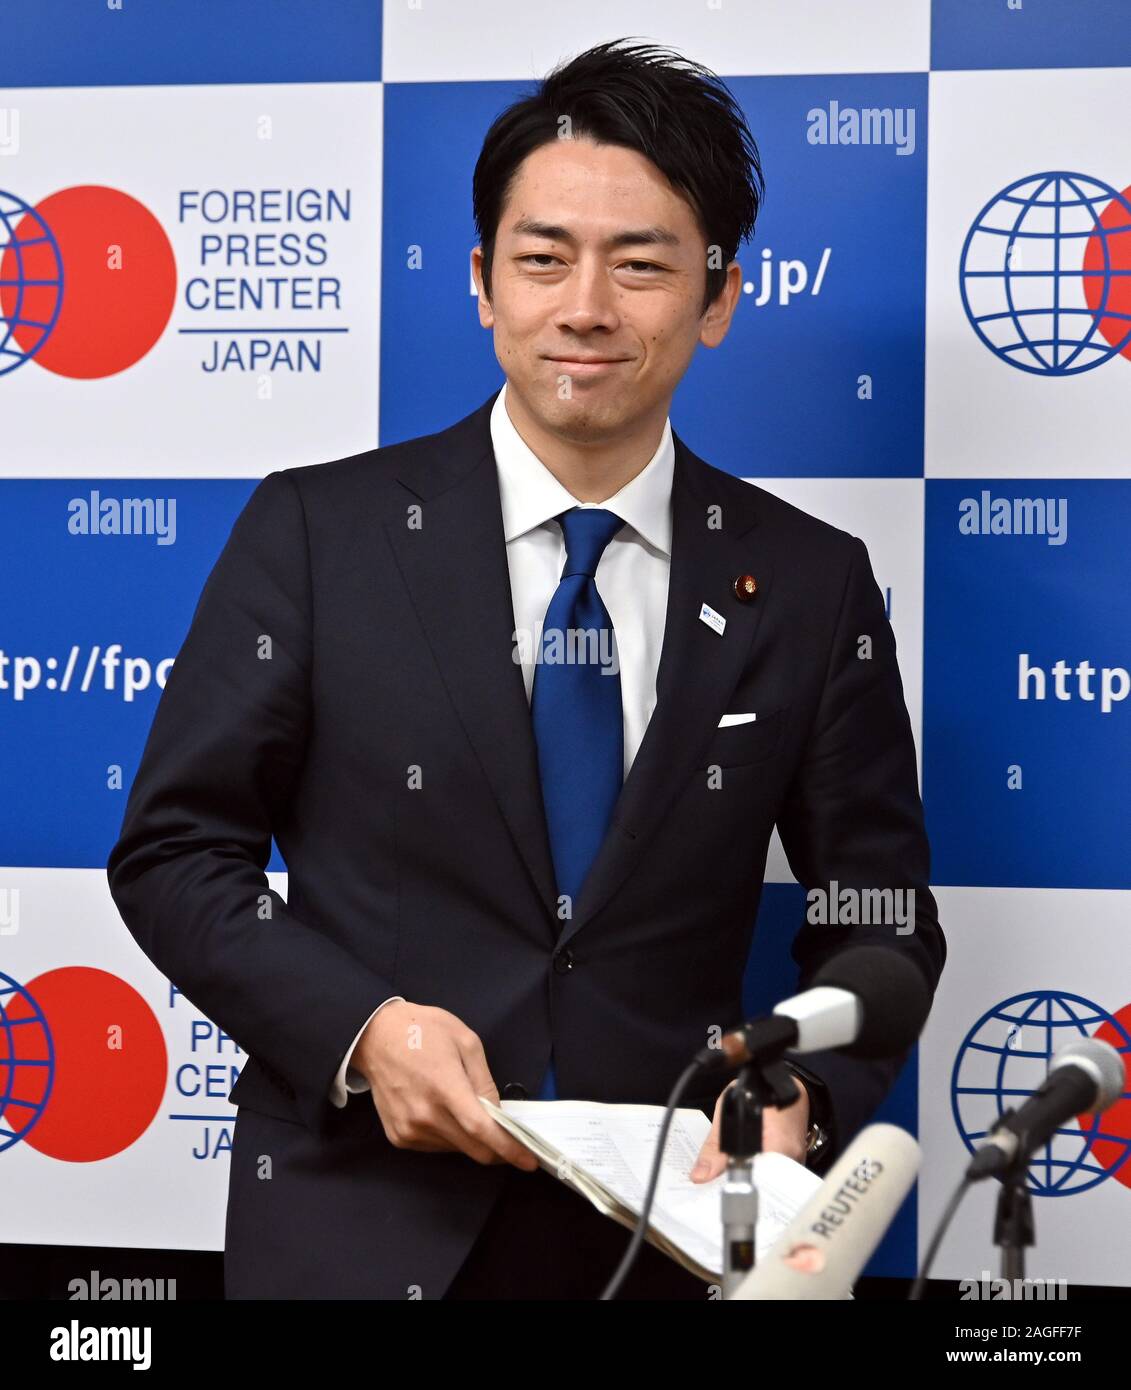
point(358, 625)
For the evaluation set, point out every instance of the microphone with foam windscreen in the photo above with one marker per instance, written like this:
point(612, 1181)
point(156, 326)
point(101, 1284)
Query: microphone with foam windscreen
point(869, 1001)
point(1085, 1078)
point(830, 1240)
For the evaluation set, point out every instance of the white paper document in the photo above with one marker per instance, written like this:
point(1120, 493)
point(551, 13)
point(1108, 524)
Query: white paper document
point(606, 1152)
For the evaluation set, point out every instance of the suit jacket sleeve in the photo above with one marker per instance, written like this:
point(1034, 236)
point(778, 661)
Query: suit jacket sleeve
point(853, 818)
point(188, 871)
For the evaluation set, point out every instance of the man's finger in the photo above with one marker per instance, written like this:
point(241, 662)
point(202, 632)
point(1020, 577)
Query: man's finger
point(710, 1162)
point(448, 1132)
point(462, 1142)
point(469, 1114)
point(470, 1050)
point(483, 1129)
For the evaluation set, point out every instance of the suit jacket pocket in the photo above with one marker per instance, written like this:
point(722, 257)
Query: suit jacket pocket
point(738, 745)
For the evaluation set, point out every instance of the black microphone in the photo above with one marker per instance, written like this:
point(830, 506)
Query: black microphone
point(1085, 1077)
point(869, 1001)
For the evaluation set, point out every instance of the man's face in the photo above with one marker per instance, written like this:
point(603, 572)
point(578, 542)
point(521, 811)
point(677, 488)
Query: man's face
point(572, 279)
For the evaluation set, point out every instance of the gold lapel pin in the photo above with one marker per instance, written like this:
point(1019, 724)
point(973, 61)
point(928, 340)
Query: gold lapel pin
point(745, 587)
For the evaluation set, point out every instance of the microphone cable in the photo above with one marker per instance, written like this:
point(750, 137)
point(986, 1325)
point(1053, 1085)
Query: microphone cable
point(941, 1229)
point(612, 1288)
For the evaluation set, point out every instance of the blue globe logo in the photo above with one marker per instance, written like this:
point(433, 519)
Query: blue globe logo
point(16, 281)
point(1002, 1061)
point(1044, 274)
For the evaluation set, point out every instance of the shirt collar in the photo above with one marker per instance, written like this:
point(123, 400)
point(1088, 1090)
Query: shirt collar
point(531, 495)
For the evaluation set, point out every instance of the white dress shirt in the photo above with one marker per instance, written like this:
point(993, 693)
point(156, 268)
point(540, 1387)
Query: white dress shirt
point(632, 579)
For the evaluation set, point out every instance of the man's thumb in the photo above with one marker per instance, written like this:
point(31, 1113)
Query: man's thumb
point(710, 1162)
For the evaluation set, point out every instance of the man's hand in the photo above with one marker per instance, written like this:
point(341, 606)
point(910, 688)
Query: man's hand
point(427, 1069)
point(783, 1132)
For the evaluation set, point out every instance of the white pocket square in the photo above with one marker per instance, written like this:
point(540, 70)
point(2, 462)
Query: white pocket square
point(728, 719)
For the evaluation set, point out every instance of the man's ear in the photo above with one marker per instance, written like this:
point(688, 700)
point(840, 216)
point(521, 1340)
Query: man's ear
point(718, 314)
point(486, 313)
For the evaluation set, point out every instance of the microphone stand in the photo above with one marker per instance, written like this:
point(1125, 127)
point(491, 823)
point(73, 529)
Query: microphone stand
point(759, 1083)
point(1014, 1231)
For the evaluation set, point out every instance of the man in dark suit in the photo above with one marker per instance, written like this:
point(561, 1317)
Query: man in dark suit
point(513, 873)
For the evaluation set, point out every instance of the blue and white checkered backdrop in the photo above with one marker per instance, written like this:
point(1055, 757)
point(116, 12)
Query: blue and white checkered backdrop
point(932, 353)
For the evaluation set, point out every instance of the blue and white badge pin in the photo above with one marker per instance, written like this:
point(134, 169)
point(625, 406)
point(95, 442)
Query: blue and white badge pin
point(715, 621)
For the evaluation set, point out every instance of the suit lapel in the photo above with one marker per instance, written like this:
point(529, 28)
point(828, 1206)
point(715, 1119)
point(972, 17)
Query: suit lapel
point(698, 667)
point(455, 567)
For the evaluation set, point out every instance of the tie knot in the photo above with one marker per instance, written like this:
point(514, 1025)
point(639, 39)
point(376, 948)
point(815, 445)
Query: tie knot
point(587, 531)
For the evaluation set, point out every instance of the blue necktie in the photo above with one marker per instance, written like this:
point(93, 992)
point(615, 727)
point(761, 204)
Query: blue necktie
point(576, 711)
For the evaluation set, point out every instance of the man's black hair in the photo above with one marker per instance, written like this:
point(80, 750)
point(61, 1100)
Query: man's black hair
point(673, 111)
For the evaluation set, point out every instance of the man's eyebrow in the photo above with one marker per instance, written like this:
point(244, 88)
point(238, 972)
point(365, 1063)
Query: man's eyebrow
point(638, 236)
